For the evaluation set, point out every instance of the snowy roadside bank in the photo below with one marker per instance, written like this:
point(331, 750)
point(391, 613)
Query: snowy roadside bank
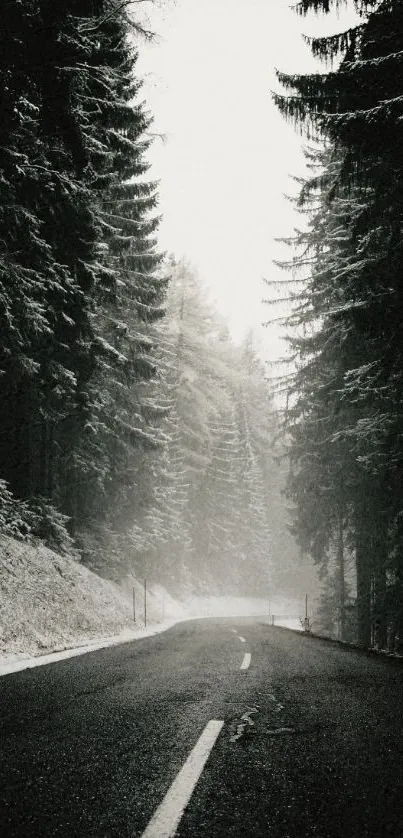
point(16, 663)
point(51, 605)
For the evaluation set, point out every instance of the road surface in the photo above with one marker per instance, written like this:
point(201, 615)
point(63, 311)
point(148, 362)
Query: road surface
point(224, 727)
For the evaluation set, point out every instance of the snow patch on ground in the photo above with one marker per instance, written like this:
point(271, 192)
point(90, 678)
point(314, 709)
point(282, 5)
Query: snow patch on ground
point(52, 604)
point(15, 663)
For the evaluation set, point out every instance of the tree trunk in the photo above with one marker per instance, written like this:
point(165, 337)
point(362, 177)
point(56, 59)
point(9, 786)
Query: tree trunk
point(51, 475)
point(43, 458)
point(363, 568)
point(341, 575)
point(380, 609)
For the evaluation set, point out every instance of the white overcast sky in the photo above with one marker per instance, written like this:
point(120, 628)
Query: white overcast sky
point(228, 155)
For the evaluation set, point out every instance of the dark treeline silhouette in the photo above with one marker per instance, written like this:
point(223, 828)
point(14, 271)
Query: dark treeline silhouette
point(345, 408)
point(80, 274)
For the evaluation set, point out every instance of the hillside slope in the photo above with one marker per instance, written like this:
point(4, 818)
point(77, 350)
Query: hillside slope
point(50, 602)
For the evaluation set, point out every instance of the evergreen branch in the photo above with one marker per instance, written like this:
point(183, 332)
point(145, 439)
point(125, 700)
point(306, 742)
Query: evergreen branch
point(115, 11)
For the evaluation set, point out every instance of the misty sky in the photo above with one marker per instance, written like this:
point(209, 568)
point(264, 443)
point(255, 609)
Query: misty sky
point(228, 154)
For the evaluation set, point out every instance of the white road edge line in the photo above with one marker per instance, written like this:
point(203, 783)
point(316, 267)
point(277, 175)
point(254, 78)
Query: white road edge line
point(17, 664)
point(246, 661)
point(242, 639)
point(165, 820)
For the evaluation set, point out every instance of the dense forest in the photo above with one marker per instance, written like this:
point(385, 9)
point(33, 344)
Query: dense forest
point(81, 277)
point(344, 415)
point(132, 428)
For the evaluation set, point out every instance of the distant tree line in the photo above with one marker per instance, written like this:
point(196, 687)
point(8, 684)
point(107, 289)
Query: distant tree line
point(207, 513)
point(345, 402)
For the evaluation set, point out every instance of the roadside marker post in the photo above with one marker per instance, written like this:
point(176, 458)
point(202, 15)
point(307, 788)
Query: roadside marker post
point(145, 603)
point(134, 604)
point(305, 622)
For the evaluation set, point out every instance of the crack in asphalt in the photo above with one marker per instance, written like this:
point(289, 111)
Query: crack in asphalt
point(244, 723)
point(279, 707)
point(280, 730)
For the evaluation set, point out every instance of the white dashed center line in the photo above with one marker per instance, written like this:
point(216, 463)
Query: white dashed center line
point(166, 818)
point(242, 639)
point(246, 661)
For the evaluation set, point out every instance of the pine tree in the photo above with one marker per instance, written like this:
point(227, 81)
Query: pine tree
point(188, 359)
point(355, 292)
point(208, 525)
point(131, 287)
point(47, 242)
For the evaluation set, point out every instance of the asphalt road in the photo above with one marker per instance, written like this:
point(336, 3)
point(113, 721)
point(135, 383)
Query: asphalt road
point(311, 745)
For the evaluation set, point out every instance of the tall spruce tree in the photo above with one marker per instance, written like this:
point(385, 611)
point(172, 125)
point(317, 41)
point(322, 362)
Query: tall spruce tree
point(351, 368)
point(209, 523)
point(47, 236)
